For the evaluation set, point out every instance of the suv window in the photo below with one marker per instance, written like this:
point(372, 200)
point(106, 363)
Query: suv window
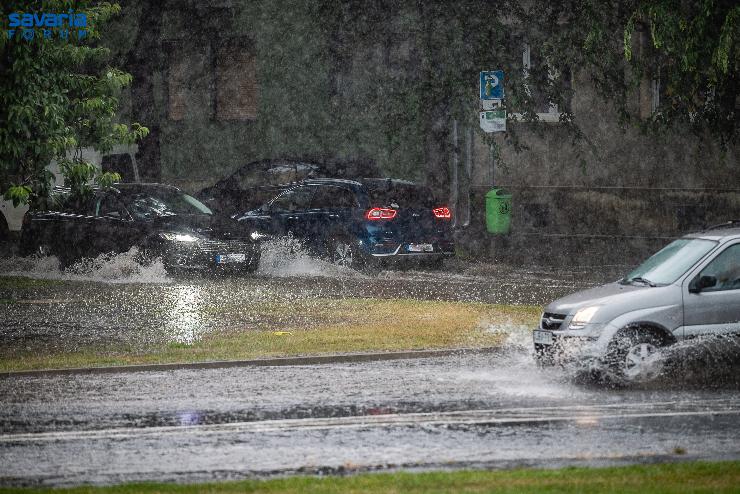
point(387, 193)
point(726, 269)
point(332, 197)
point(296, 199)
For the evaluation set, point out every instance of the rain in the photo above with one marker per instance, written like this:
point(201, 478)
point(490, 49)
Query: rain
point(251, 241)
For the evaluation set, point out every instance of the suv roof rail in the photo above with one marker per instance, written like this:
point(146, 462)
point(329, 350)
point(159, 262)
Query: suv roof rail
point(726, 224)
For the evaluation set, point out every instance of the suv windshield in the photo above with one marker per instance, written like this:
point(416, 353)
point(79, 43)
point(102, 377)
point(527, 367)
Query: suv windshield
point(673, 260)
point(158, 203)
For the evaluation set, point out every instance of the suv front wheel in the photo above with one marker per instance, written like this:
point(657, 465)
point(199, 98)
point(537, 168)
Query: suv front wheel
point(636, 357)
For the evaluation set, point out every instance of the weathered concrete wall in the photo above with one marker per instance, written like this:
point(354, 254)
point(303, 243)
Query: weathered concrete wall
point(614, 196)
point(341, 82)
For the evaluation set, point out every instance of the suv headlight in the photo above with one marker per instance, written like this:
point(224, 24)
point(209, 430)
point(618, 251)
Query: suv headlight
point(178, 237)
point(582, 317)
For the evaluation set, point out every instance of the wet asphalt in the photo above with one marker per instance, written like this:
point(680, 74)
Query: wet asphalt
point(452, 412)
point(486, 411)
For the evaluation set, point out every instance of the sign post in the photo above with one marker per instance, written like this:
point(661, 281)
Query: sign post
point(492, 116)
point(493, 120)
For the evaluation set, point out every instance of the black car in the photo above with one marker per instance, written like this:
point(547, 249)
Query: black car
point(359, 222)
point(257, 182)
point(160, 220)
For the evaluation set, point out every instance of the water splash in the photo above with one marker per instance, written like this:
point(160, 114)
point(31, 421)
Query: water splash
point(106, 268)
point(515, 372)
point(288, 256)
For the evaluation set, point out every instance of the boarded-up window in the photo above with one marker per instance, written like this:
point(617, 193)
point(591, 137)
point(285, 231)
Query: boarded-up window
point(236, 81)
point(177, 82)
point(188, 80)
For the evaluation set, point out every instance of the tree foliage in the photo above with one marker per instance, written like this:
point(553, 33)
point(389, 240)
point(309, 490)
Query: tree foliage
point(694, 57)
point(57, 96)
point(689, 48)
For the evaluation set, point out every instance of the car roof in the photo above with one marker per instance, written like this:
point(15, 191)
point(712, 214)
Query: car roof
point(141, 187)
point(368, 183)
point(378, 183)
point(121, 187)
point(727, 230)
point(329, 181)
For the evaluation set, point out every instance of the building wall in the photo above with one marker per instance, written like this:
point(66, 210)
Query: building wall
point(342, 81)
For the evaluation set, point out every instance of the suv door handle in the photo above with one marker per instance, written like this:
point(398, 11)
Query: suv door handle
point(333, 216)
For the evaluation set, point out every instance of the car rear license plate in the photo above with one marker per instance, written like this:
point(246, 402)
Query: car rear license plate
point(420, 248)
point(542, 337)
point(229, 258)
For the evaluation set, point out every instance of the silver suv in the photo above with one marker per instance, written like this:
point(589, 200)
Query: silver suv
point(689, 288)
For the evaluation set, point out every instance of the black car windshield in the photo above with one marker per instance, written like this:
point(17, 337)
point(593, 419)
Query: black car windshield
point(158, 203)
point(400, 195)
point(669, 263)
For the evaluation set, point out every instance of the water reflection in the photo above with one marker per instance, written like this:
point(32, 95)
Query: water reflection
point(184, 320)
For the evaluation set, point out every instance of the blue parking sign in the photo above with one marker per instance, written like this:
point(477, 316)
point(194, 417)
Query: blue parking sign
point(492, 84)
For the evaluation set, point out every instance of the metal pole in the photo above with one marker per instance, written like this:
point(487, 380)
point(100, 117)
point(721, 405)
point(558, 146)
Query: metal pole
point(454, 182)
point(468, 173)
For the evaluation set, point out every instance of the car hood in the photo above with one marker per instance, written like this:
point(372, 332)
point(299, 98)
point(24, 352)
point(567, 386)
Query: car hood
point(615, 299)
point(202, 225)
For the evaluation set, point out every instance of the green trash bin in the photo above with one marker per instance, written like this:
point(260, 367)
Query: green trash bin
point(498, 211)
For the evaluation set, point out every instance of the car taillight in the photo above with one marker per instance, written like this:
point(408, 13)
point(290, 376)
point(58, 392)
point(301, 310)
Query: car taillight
point(442, 212)
point(380, 214)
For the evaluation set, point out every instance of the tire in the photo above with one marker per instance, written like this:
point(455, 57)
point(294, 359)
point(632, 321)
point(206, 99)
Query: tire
point(344, 251)
point(42, 250)
point(434, 264)
point(635, 356)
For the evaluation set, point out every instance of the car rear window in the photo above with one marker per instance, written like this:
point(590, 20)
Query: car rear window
point(400, 195)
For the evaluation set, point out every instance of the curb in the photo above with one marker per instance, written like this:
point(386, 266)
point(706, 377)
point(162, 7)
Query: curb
point(264, 362)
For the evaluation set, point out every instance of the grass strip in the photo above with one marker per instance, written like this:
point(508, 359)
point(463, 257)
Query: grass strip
point(689, 477)
point(309, 327)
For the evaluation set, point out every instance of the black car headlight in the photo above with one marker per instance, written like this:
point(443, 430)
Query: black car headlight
point(178, 237)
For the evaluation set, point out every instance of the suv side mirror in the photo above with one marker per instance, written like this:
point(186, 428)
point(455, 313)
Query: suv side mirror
point(702, 283)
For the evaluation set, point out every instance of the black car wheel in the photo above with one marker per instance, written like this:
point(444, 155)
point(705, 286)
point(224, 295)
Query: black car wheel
point(42, 250)
point(434, 264)
point(344, 252)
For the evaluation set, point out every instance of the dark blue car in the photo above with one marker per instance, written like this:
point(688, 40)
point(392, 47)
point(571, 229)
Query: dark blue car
point(360, 223)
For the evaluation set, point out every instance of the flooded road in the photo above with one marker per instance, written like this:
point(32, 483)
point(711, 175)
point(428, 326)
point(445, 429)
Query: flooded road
point(114, 303)
point(477, 411)
point(489, 411)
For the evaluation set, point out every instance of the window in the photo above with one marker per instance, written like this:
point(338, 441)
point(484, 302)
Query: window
point(298, 199)
point(188, 80)
point(673, 260)
point(110, 206)
point(163, 203)
point(725, 268)
point(537, 70)
point(211, 80)
point(236, 81)
point(384, 193)
point(329, 197)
